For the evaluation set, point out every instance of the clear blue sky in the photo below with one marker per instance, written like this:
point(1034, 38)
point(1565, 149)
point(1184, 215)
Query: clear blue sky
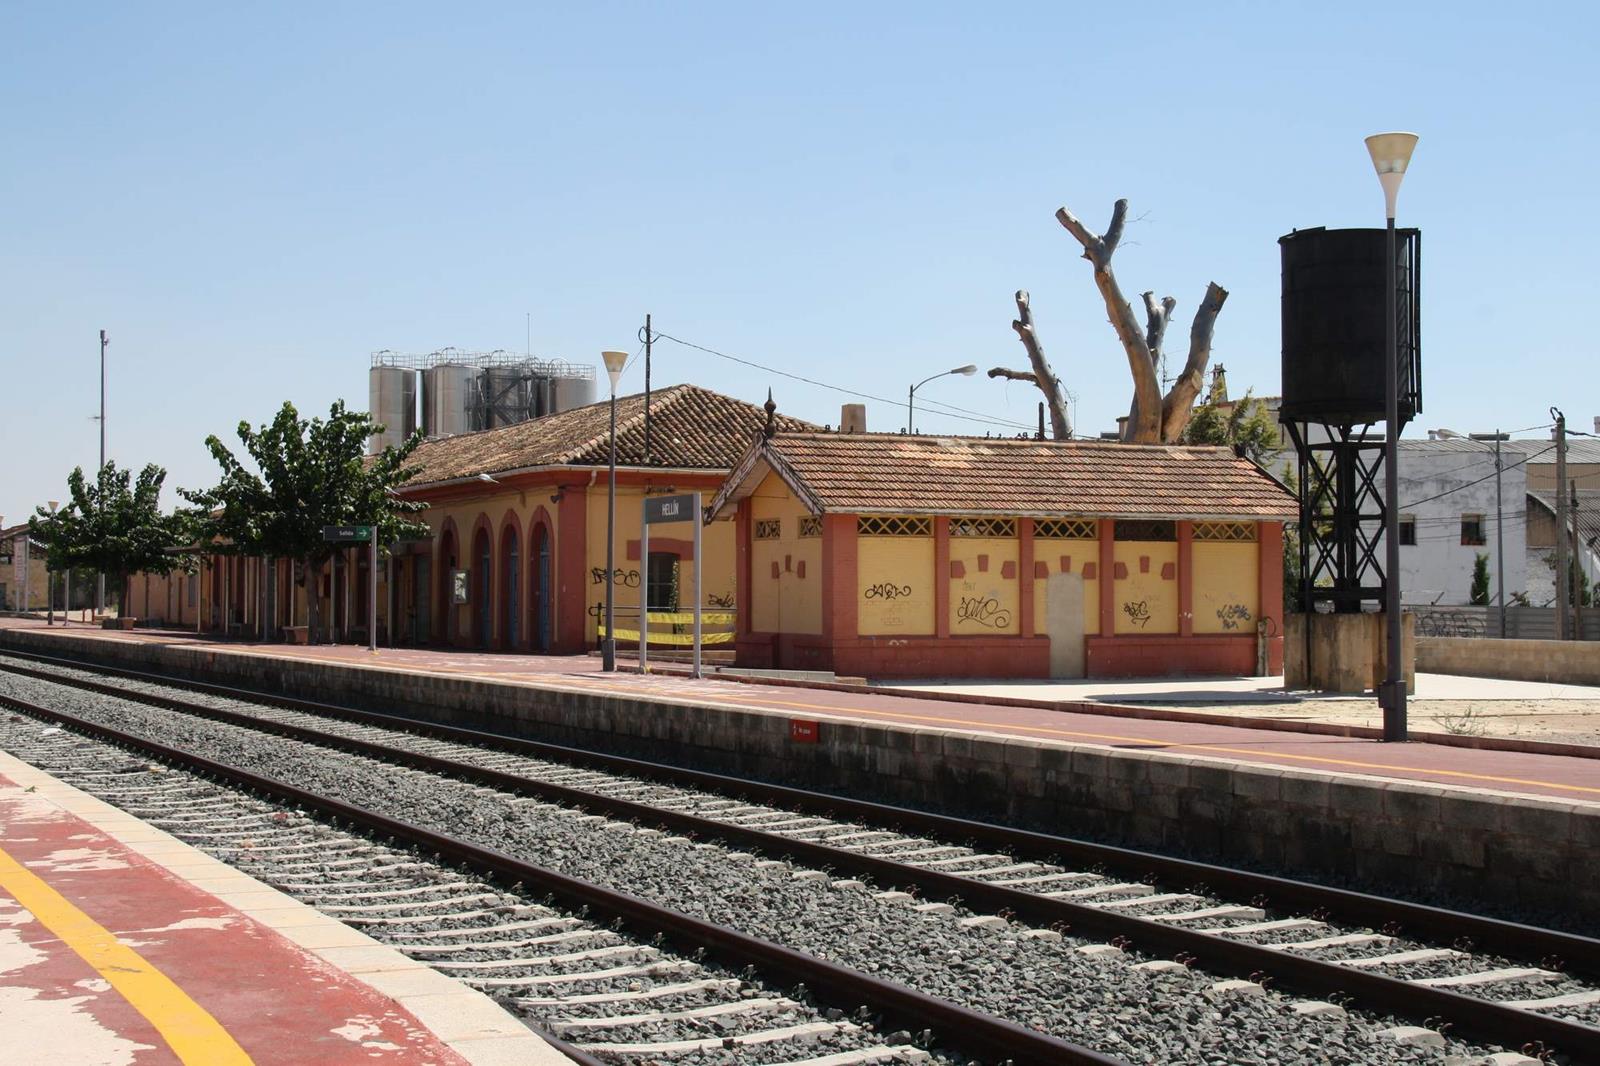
point(253, 199)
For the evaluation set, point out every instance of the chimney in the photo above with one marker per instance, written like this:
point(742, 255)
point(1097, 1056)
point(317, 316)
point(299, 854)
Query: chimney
point(1597, 423)
point(853, 418)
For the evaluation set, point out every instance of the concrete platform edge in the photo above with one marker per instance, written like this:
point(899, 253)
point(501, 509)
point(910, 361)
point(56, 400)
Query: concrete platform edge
point(469, 1022)
point(1476, 848)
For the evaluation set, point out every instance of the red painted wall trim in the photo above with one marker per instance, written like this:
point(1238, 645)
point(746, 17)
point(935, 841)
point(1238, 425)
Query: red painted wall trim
point(571, 570)
point(1108, 577)
point(830, 539)
point(742, 575)
point(1025, 576)
point(941, 576)
point(1185, 578)
point(1171, 656)
point(683, 549)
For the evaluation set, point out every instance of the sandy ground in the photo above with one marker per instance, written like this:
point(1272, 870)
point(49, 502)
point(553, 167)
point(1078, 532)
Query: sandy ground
point(1568, 714)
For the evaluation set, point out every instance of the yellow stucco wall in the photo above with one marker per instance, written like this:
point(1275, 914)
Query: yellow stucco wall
point(983, 601)
point(786, 571)
point(1227, 587)
point(894, 586)
point(717, 545)
point(1146, 602)
point(1049, 553)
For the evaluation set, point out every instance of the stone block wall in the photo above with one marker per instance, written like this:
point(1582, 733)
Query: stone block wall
point(1469, 848)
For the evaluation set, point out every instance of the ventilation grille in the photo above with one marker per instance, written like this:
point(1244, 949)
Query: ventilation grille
point(769, 528)
point(1238, 532)
point(983, 527)
point(893, 526)
point(811, 525)
point(1066, 529)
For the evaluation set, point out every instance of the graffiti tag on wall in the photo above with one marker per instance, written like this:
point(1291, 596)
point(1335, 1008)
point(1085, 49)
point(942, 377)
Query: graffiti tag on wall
point(626, 578)
point(721, 602)
point(1138, 612)
point(1233, 615)
point(886, 590)
point(984, 611)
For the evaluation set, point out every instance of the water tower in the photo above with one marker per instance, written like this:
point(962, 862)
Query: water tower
point(1334, 284)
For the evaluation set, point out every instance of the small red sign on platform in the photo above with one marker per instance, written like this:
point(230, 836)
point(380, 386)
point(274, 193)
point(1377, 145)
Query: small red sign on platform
point(804, 731)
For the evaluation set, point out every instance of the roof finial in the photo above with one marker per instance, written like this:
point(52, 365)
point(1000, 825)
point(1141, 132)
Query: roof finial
point(771, 408)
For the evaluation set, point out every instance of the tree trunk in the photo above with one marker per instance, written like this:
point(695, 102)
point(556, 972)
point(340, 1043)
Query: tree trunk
point(1144, 425)
point(1042, 375)
point(313, 600)
point(1179, 403)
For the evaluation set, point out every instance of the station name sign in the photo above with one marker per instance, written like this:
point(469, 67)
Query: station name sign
point(679, 508)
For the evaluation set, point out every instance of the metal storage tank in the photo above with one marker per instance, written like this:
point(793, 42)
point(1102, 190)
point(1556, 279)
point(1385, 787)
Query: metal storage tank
point(504, 397)
point(572, 390)
point(1333, 335)
point(448, 391)
point(392, 401)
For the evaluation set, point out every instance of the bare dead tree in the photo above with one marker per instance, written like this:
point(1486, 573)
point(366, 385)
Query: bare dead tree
point(1041, 375)
point(1152, 418)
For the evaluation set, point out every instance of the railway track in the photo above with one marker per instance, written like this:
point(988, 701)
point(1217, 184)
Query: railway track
point(606, 992)
point(1492, 998)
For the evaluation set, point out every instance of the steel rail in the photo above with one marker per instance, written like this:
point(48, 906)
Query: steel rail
point(961, 1028)
point(1576, 953)
point(1486, 1019)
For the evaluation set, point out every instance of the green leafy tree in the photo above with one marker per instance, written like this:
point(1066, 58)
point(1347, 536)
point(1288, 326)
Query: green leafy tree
point(308, 474)
point(1245, 426)
point(1479, 595)
point(114, 526)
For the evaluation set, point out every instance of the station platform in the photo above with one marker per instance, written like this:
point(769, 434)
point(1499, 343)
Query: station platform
point(121, 944)
point(1484, 824)
point(1267, 742)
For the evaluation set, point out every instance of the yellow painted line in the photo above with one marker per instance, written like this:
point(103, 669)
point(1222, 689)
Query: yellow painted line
point(193, 1034)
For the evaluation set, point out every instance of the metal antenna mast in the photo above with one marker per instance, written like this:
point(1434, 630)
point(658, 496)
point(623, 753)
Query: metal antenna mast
point(100, 588)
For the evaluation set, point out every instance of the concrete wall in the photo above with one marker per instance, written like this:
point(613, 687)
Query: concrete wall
point(1482, 850)
point(1567, 662)
point(1348, 652)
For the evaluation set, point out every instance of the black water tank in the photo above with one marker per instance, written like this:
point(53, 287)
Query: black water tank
point(1333, 309)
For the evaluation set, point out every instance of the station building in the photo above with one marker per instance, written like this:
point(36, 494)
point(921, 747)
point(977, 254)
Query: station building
point(912, 556)
point(515, 559)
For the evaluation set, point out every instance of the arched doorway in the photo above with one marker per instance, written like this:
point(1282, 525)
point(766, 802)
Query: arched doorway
point(447, 566)
point(540, 574)
point(481, 601)
point(510, 589)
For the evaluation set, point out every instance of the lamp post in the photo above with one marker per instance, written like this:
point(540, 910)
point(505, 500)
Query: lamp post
point(614, 361)
point(50, 607)
point(1391, 153)
point(911, 397)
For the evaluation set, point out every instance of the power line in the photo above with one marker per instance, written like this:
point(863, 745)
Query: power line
point(949, 409)
point(1479, 481)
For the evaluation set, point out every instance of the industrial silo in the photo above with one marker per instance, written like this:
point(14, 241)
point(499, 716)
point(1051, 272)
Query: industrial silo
point(392, 401)
point(571, 386)
point(448, 394)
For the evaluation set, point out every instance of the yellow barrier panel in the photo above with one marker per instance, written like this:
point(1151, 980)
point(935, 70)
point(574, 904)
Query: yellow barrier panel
point(686, 618)
point(685, 639)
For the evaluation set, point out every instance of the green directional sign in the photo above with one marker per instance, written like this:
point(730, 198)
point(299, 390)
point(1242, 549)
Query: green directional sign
point(336, 534)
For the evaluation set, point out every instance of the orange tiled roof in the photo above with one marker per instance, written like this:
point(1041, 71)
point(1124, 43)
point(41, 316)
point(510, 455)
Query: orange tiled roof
point(690, 428)
point(867, 473)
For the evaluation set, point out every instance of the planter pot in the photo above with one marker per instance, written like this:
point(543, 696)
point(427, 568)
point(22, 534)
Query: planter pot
point(118, 623)
point(296, 634)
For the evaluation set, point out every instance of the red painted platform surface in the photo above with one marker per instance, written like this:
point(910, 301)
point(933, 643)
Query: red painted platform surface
point(1550, 776)
point(60, 1002)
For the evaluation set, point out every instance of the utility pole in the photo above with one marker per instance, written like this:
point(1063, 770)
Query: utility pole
point(1563, 580)
point(1577, 568)
point(100, 588)
point(648, 338)
point(1499, 539)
